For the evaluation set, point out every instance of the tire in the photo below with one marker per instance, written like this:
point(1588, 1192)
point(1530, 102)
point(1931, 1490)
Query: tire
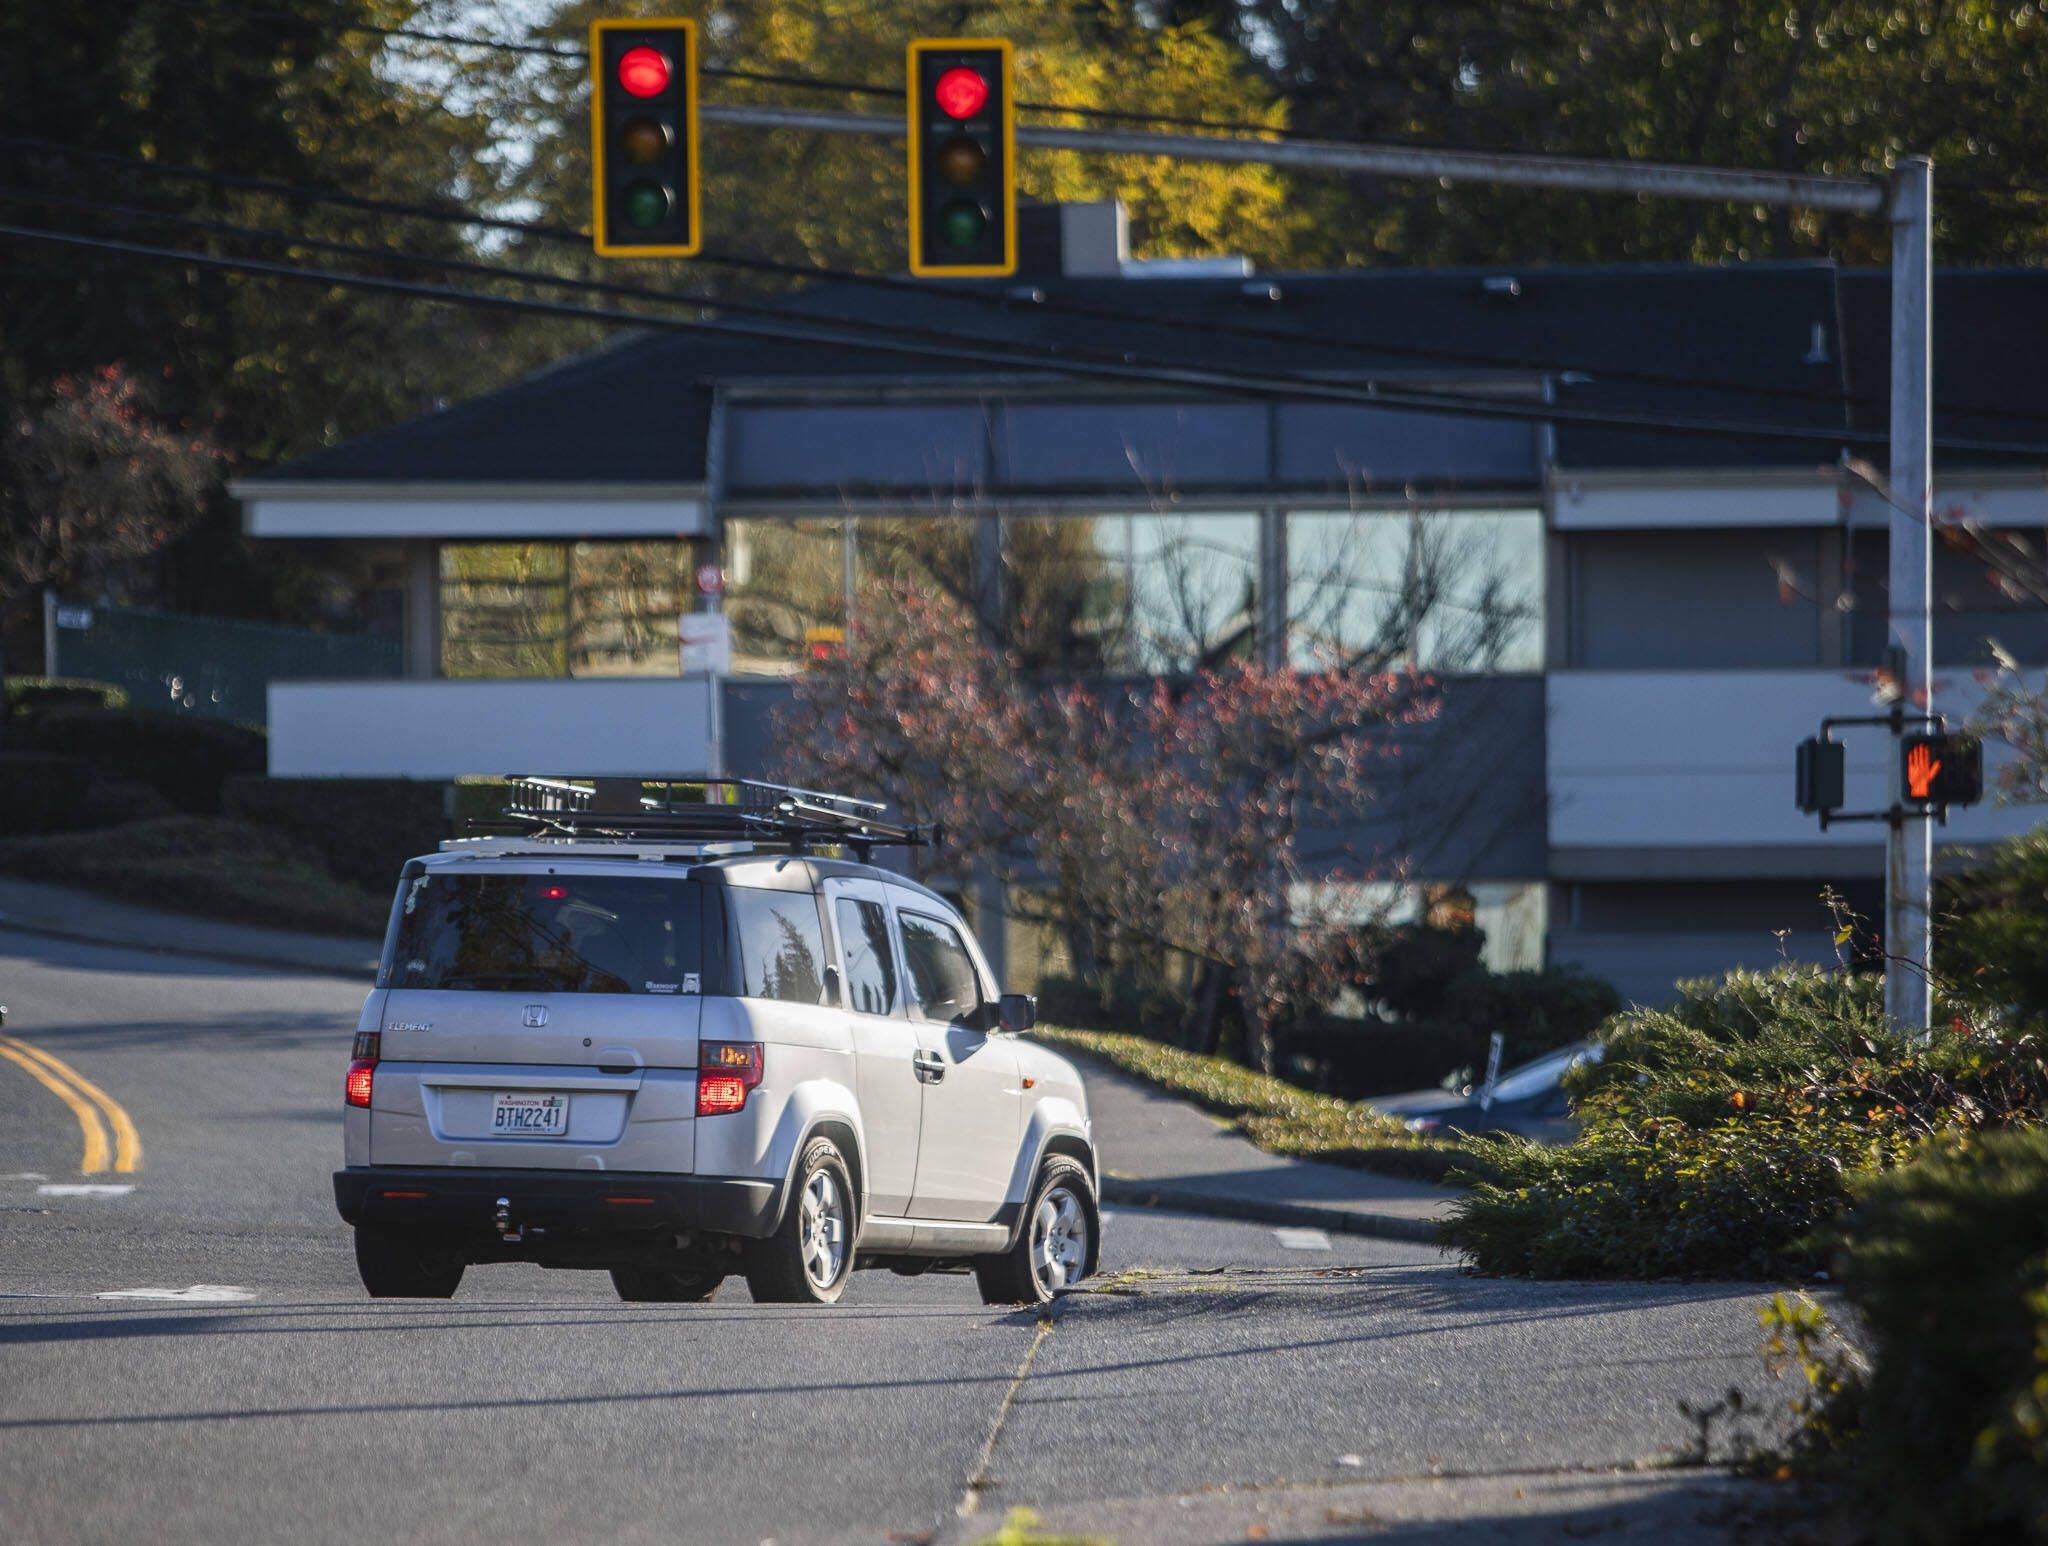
point(665, 1285)
point(810, 1256)
point(1057, 1244)
point(399, 1264)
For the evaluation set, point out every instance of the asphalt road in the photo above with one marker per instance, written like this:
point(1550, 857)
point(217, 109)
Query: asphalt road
point(1225, 1380)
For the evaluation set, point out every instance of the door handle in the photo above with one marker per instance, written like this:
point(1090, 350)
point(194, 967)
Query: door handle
point(930, 1067)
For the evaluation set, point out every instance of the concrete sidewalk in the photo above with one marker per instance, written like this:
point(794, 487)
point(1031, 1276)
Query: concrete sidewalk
point(35, 908)
point(1164, 1152)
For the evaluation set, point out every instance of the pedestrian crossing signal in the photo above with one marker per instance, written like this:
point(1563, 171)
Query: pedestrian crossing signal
point(1939, 770)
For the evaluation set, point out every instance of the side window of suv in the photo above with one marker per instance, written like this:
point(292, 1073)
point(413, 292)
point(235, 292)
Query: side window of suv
point(941, 974)
point(780, 948)
point(870, 963)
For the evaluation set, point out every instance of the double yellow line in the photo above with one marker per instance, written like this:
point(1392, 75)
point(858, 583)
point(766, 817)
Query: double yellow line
point(99, 1115)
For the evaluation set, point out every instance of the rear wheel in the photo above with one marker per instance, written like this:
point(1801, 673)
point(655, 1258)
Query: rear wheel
point(665, 1285)
point(402, 1264)
point(810, 1256)
point(1056, 1247)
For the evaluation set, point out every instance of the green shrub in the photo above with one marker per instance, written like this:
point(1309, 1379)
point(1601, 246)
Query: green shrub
point(1731, 1200)
point(203, 865)
point(28, 696)
point(1797, 1041)
point(185, 757)
point(364, 829)
point(41, 793)
point(1992, 943)
point(1940, 1434)
point(1722, 1130)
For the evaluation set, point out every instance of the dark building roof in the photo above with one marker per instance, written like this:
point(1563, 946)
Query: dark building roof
point(1784, 344)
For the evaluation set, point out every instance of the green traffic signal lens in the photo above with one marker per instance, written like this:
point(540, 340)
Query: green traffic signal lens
point(647, 204)
point(644, 141)
point(961, 161)
point(962, 224)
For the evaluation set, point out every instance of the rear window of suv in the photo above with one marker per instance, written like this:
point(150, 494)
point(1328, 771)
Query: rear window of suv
point(546, 934)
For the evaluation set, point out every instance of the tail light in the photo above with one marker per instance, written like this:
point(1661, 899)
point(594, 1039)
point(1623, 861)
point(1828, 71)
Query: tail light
point(726, 1070)
point(362, 1072)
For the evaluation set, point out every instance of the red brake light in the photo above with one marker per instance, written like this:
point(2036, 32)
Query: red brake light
point(726, 1070)
point(553, 893)
point(362, 1073)
point(961, 92)
point(644, 71)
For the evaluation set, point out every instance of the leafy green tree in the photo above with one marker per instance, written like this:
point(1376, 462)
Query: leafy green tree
point(92, 482)
point(1841, 86)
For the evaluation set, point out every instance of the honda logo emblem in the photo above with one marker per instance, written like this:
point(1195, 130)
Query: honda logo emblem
point(536, 1015)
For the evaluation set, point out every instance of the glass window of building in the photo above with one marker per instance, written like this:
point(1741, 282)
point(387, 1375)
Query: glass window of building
point(505, 609)
point(624, 598)
point(785, 592)
point(1451, 591)
point(1136, 593)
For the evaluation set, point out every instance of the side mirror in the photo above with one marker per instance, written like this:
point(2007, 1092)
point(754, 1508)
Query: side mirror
point(1016, 1012)
point(832, 995)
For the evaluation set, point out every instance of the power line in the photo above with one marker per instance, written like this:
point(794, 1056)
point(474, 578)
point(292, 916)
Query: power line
point(966, 349)
point(1055, 305)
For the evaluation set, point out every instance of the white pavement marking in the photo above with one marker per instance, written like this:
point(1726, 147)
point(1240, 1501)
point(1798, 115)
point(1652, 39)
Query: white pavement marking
point(83, 1189)
point(25, 1175)
point(198, 1293)
point(1303, 1239)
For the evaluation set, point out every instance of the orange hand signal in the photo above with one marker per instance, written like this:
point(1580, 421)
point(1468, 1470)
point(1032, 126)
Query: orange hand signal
point(1921, 766)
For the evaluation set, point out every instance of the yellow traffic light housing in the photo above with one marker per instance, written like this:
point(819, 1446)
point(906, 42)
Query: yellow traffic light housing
point(646, 199)
point(963, 158)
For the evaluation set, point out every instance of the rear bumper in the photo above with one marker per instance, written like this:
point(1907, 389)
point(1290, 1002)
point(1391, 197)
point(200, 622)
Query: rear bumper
point(561, 1200)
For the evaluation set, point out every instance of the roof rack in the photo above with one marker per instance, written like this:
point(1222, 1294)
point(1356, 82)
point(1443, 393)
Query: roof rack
point(696, 808)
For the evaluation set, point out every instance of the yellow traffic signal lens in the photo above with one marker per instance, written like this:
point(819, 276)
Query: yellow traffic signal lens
point(961, 161)
point(647, 204)
point(961, 223)
point(644, 141)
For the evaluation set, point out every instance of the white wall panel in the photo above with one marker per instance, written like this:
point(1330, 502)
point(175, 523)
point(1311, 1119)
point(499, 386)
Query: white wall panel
point(444, 729)
point(1670, 759)
point(1809, 499)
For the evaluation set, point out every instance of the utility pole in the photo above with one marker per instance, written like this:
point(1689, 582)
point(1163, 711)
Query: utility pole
point(1909, 844)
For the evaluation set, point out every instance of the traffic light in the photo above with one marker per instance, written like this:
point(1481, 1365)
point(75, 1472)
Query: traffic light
point(963, 158)
point(643, 139)
point(1940, 770)
point(1820, 775)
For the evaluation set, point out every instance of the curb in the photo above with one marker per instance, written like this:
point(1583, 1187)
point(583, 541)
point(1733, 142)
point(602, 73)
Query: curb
point(9, 924)
point(1346, 1221)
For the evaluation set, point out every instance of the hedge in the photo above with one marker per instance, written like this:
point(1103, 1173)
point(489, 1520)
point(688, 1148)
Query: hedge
point(28, 696)
point(363, 829)
point(185, 757)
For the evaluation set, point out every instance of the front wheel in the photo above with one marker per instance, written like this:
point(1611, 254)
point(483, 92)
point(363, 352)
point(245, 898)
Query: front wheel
point(400, 1264)
point(810, 1256)
point(1057, 1246)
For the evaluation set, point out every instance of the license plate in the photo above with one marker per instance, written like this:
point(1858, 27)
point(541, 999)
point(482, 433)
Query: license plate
point(529, 1116)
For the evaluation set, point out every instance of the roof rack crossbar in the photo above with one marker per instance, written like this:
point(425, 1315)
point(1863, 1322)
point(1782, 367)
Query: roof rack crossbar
point(755, 811)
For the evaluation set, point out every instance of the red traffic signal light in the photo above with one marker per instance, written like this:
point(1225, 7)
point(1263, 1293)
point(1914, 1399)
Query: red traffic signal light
point(643, 139)
point(963, 193)
point(1941, 770)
